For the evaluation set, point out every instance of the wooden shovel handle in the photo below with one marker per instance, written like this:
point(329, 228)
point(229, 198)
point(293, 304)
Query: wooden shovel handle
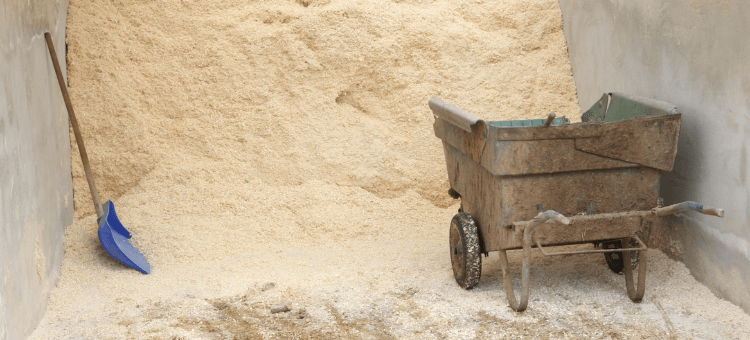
point(76, 130)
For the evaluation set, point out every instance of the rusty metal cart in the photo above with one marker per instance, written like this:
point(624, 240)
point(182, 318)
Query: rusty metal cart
point(540, 183)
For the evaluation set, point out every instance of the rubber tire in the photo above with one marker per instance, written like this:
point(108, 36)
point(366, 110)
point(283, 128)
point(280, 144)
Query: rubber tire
point(465, 251)
point(614, 260)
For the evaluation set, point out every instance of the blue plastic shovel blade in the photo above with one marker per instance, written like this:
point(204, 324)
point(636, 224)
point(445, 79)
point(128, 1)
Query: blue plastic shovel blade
point(114, 238)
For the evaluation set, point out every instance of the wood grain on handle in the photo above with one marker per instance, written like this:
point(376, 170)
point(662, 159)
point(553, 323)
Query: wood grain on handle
point(76, 130)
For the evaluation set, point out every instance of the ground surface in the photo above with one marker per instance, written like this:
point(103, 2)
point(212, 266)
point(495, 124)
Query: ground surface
point(279, 151)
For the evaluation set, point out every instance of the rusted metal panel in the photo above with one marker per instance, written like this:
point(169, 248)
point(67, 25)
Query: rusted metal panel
point(572, 194)
point(530, 122)
point(645, 132)
point(497, 201)
point(648, 141)
point(480, 194)
point(542, 156)
point(469, 143)
point(578, 130)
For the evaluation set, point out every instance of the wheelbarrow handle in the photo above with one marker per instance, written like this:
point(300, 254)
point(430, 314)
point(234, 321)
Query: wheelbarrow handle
point(680, 207)
point(550, 118)
point(545, 216)
point(453, 114)
point(76, 130)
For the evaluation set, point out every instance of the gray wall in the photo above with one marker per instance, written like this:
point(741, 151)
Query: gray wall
point(695, 54)
point(36, 194)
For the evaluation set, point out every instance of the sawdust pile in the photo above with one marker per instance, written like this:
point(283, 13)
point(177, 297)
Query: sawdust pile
point(189, 94)
point(239, 123)
point(265, 151)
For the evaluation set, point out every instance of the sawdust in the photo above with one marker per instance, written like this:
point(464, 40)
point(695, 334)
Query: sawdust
point(284, 93)
point(271, 151)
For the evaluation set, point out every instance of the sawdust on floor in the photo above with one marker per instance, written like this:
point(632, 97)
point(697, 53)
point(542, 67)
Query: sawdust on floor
point(271, 151)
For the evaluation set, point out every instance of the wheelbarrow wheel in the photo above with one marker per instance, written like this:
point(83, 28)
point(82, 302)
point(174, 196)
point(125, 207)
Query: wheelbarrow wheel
point(465, 251)
point(615, 261)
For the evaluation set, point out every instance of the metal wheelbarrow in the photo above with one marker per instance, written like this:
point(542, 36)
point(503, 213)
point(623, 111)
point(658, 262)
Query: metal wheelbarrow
point(546, 182)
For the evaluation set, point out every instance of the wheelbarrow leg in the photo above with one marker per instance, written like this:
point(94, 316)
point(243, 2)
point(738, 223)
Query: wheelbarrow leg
point(518, 306)
point(635, 293)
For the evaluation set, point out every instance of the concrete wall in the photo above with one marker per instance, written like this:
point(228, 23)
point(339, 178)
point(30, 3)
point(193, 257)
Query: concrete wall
point(695, 54)
point(36, 193)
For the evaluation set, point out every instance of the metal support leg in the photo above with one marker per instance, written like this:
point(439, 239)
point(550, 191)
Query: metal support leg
point(520, 305)
point(517, 305)
point(635, 293)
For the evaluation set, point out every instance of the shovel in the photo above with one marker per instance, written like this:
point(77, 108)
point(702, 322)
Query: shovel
point(112, 234)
